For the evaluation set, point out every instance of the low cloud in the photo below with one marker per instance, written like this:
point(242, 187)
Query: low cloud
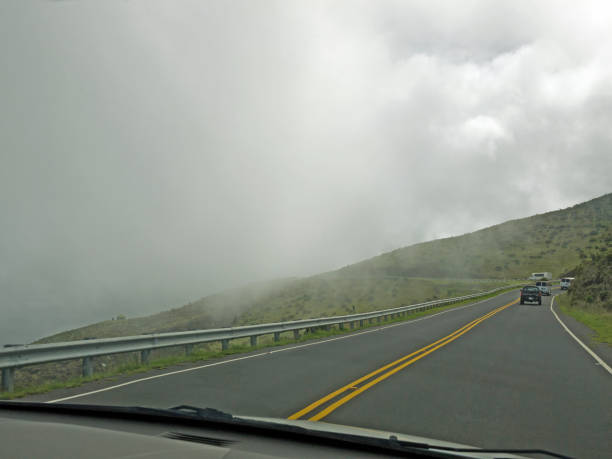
point(154, 152)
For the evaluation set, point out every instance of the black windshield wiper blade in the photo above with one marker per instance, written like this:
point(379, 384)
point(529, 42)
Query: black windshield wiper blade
point(402, 445)
point(280, 427)
point(542, 452)
point(205, 413)
point(182, 412)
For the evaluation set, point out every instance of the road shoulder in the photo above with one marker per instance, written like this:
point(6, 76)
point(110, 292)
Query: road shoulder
point(586, 335)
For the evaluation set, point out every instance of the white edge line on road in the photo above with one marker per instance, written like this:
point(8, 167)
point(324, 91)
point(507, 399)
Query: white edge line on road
point(350, 335)
point(586, 348)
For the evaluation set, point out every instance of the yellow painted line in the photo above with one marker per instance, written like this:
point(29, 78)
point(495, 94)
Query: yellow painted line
point(366, 386)
point(352, 385)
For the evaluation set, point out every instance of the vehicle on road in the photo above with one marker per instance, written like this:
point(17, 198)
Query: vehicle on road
point(544, 287)
point(531, 294)
point(566, 282)
point(540, 276)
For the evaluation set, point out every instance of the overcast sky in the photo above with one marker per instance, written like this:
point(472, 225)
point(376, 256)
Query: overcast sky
point(154, 152)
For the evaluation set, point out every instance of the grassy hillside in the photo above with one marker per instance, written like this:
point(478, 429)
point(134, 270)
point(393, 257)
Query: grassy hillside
point(592, 287)
point(329, 295)
point(589, 299)
point(281, 300)
point(213, 311)
point(556, 241)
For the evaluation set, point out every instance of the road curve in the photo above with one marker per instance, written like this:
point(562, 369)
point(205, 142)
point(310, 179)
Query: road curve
point(492, 374)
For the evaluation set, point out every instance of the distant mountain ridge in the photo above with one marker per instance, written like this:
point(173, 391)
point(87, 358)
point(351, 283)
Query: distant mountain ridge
point(556, 241)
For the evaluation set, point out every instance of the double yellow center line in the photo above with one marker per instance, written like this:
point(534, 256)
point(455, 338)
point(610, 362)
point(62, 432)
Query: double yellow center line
point(365, 382)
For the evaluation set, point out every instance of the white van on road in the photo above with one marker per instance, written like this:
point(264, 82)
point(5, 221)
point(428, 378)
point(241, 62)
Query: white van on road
point(566, 282)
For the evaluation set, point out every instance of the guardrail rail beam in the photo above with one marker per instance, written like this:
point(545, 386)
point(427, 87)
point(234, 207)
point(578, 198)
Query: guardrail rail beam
point(12, 357)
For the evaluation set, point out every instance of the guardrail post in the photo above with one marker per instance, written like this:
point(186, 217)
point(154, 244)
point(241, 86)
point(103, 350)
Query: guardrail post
point(87, 367)
point(372, 320)
point(144, 356)
point(341, 326)
point(296, 334)
point(378, 319)
point(224, 344)
point(276, 336)
point(352, 325)
point(361, 323)
point(254, 340)
point(188, 349)
point(8, 379)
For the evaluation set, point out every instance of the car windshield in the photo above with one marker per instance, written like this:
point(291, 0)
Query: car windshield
point(312, 211)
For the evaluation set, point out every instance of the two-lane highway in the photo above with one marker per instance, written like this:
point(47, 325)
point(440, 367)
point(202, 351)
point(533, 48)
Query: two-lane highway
point(491, 374)
point(326, 405)
point(518, 380)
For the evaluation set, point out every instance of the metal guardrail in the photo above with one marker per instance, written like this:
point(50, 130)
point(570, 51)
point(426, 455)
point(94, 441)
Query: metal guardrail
point(19, 356)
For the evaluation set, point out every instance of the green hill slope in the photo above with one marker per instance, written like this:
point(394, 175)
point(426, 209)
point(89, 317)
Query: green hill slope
point(213, 311)
point(592, 286)
point(281, 300)
point(589, 299)
point(556, 242)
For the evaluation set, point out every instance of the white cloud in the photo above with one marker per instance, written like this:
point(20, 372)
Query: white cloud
point(159, 151)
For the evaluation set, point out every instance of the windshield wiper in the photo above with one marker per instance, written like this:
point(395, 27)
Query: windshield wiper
point(541, 452)
point(205, 413)
point(392, 441)
point(273, 427)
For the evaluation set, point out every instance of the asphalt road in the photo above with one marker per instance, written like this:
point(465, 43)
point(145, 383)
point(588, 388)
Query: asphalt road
point(512, 379)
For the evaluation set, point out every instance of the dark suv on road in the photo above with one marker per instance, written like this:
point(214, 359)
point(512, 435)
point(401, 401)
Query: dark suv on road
point(532, 294)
